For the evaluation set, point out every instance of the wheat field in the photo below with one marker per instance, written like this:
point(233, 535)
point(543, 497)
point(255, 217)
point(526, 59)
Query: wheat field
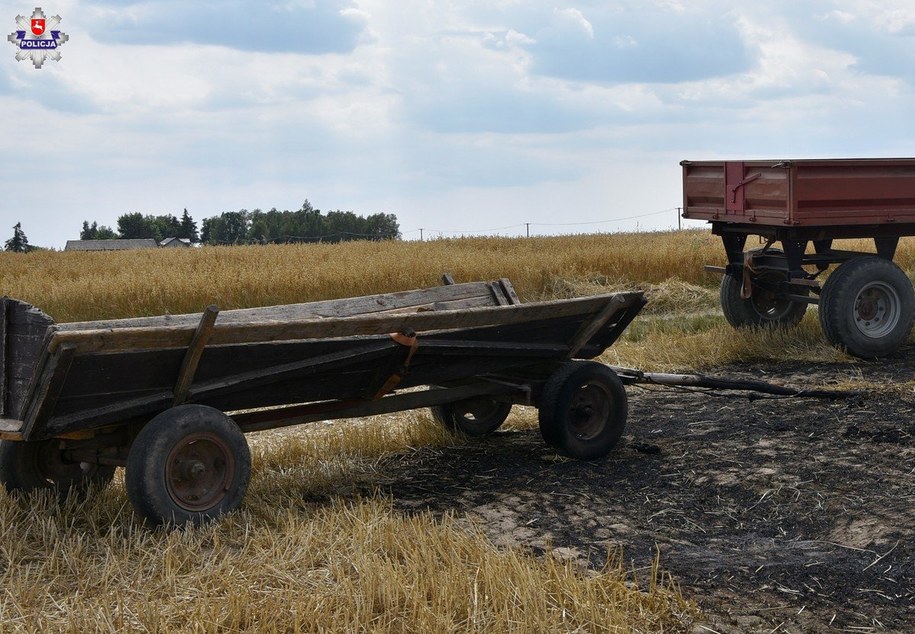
point(300, 556)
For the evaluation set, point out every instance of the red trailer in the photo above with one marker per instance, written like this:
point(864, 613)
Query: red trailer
point(866, 305)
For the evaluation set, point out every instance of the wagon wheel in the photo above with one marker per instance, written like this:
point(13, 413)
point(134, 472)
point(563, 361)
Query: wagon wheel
point(27, 466)
point(476, 416)
point(765, 308)
point(189, 464)
point(583, 410)
point(867, 306)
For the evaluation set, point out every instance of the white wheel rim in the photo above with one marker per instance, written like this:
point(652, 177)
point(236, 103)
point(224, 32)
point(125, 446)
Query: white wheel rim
point(876, 311)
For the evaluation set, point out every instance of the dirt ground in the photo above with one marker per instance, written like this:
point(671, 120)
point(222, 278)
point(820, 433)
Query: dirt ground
point(774, 515)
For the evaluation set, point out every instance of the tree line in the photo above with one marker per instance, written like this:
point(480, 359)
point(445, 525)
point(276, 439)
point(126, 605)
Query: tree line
point(137, 225)
point(237, 227)
point(251, 227)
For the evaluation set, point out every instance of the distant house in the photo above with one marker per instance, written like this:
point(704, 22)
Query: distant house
point(175, 243)
point(110, 245)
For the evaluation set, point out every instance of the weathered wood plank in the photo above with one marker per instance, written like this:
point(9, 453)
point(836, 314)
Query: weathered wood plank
point(22, 351)
point(257, 378)
point(498, 294)
point(509, 291)
point(615, 328)
point(591, 328)
point(25, 331)
point(115, 413)
point(461, 304)
point(335, 308)
point(25, 317)
point(48, 387)
point(21, 398)
point(4, 372)
point(194, 351)
point(102, 379)
point(148, 338)
point(489, 348)
point(298, 414)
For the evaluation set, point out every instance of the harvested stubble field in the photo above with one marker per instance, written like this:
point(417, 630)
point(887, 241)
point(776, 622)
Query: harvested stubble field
point(714, 514)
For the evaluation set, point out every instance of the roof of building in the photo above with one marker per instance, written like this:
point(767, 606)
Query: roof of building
point(169, 241)
point(110, 245)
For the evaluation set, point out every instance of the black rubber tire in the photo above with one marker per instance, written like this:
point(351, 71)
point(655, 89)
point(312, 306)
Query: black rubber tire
point(189, 464)
point(763, 310)
point(479, 416)
point(583, 410)
point(30, 466)
point(867, 307)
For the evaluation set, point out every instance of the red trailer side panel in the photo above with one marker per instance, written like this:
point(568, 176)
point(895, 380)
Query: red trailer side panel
point(810, 192)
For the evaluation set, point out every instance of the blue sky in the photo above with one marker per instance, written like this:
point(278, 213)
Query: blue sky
point(474, 116)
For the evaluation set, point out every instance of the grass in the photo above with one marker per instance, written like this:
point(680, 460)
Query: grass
point(312, 548)
point(344, 566)
point(81, 286)
point(288, 563)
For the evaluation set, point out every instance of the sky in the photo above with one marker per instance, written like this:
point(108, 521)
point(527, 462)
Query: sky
point(472, 117)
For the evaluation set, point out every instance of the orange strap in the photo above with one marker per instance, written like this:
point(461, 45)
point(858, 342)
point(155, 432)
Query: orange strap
point(408, 341)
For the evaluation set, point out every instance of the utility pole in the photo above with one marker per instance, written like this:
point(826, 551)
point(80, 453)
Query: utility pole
point(420, 234)
point(528, 227)
point(679, 209)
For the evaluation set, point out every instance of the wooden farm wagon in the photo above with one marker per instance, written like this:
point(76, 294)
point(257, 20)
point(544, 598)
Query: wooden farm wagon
point(169, 398)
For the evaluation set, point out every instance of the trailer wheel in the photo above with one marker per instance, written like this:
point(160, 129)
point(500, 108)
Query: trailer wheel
point(583, 410)
point(764, 309)
point(189, 464)
point(28, 466)
point(867, 306)
point(475, 417)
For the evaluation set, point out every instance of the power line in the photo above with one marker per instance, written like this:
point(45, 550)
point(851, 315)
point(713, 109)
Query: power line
point(528, 225)
point(603, 222)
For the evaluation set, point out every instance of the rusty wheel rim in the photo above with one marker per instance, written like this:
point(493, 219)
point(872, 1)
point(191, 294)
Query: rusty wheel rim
point(589, 410)
point(199, 471)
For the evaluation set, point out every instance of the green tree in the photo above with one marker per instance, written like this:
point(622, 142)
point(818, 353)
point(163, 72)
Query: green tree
point(95, 232)
point(136, 225)
point(188, 228)
point(302, 225)
point(164, 226)
point(382, 227)
point(105, 233)
point(235, 226)
point(211, 230)
point(18, 243)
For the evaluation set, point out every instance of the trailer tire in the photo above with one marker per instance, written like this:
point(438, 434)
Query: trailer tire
point(476, 417)
point(189, 464)
point(763, 310)
point(867, 307)
point(583, 410)
point(30, 466)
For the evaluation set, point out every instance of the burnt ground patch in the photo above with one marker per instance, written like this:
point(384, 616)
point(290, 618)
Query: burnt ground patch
point(773, 514)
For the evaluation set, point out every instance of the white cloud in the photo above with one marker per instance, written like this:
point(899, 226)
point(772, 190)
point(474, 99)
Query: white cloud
point(576, 18)
point(513, 38)
point(469, 113)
